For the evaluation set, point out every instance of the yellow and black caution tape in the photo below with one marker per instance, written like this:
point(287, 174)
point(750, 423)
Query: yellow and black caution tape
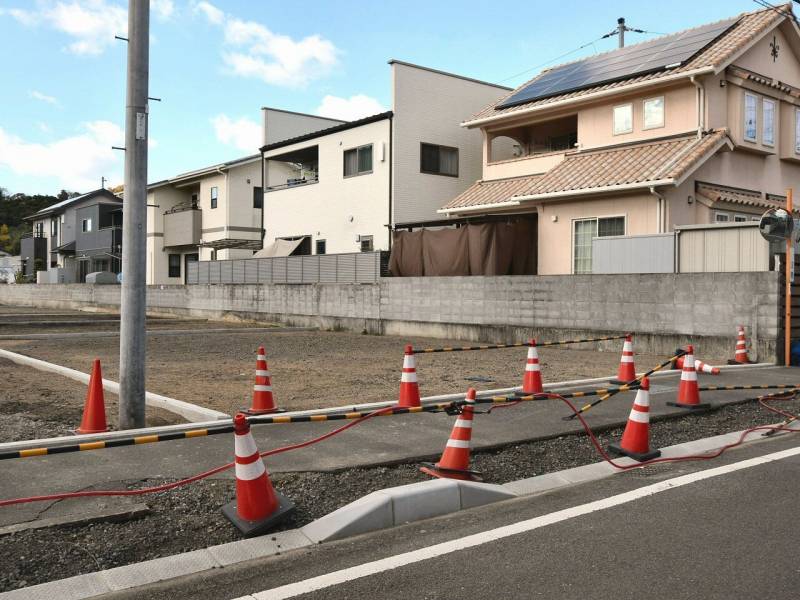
point(228, 428)
point(777, 386)
point(515, 345)
point(543, 396)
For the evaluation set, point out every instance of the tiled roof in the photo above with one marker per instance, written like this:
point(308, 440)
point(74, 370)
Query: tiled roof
point(716, 193)
point(764, 80)
point(492, 191)
point(749, 27)
point(624, 167)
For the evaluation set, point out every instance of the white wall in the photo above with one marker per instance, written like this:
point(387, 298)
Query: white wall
point(429, 107)
point(279, 125)
point(337, 208)
point(160, 200)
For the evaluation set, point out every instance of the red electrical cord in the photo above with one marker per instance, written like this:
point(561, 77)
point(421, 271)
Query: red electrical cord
point(193, 478)
point(168, 486)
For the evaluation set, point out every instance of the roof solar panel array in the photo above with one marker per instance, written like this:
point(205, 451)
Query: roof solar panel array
point(667, 51)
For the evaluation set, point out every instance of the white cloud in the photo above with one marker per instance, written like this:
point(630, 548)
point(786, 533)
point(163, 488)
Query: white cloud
point(76, 162)
point(43, 127)
point(91, 23)
point(349, 109)
point(243, 133)
point(37, 95)
point(255, 51)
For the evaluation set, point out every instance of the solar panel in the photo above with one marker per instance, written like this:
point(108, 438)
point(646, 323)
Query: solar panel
point(647, 57)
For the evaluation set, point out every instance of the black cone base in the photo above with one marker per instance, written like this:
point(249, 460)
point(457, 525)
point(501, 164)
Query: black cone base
point(701, 406)
point(434, 470)
point(640, 456)
point(252, 528)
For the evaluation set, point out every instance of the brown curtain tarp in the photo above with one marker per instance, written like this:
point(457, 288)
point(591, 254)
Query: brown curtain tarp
point(497, 248)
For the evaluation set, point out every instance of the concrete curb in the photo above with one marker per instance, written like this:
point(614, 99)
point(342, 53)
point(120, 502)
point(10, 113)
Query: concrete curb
point(179, 407)
point(379, 510)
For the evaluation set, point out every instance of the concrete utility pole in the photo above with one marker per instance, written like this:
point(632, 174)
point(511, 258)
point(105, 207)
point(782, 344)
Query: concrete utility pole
point(134, 221)
point(621, 29)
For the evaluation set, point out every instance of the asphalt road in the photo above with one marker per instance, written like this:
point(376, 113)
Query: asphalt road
point(718, 529)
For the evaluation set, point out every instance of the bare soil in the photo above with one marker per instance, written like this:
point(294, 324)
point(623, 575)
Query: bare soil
point(319, 368)
point(35, 405)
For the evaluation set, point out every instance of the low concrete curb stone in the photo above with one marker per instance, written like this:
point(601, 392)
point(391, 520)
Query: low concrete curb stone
point(382, 509)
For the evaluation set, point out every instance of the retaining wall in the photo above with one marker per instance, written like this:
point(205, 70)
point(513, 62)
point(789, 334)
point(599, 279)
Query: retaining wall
point(665, 310)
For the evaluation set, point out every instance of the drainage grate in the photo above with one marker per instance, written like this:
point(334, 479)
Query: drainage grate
point(657, 471)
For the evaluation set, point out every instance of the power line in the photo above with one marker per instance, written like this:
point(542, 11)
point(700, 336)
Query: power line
point(778, 9)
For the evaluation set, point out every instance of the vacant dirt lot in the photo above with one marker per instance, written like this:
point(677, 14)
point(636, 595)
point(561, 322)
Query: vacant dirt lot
point(315, 369)
point(34, 404)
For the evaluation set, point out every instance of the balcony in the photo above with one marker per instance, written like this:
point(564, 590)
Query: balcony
point(292, 169)
point(182, 226)
point(294, 182)
point(529, 149)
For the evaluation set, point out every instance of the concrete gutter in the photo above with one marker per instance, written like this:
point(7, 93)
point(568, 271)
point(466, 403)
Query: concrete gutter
point(187, 410)
point(380, 510)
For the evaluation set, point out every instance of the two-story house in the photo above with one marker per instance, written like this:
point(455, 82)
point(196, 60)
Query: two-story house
point(344, 188)
point(75, 237)
point(215, 213)
point(694, 127)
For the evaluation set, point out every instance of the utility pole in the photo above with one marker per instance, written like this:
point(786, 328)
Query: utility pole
point(103, 182)
point(134, 221)
point(621, 30)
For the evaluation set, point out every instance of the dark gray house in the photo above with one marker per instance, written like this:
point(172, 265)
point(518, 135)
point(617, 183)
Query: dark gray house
point(75, 237)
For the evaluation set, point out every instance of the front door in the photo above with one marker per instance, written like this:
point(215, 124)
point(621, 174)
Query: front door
point(188, 258)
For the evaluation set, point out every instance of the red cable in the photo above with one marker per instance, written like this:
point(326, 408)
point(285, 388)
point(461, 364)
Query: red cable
point(192, 479)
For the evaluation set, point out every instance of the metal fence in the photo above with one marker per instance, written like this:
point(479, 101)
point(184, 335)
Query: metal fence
point(357, 267)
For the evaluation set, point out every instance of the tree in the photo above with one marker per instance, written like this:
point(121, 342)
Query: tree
point(5, 237)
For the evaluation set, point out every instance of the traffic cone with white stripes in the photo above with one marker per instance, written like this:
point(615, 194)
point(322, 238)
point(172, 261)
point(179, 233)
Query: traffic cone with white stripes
point(627, 370)
point(454, 463)
point(635, 441)
point(740, 356)
point(409, 388)
point(532, 379)
point(263, 400)
point(94, 409)
point(688, 394)
point(699, 366)
point(257, 506)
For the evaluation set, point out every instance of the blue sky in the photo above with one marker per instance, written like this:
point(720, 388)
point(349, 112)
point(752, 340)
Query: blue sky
point(215, 63)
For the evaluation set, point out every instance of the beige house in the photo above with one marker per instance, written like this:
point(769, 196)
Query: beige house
point(696, 127)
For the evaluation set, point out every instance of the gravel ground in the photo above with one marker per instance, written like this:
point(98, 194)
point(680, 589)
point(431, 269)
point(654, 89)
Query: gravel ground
point(35, 405)
point(189, 518)
point(319, 368)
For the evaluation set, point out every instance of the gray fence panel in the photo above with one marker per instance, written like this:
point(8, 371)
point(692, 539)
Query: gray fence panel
point(634, 254)
point(357, 267)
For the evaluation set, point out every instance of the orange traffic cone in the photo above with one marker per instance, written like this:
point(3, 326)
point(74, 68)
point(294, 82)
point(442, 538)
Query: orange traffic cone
point(740, 356)
point(263, 401)
point(257, 506)
point(454, 463)
point(699, 366)
point(409, 388)
point(636, 437)
point(94, 409)
point(627, 370)
point(532, 379)
point(688, 394)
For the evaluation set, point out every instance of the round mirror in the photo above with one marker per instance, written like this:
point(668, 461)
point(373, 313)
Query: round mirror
point(776, 225)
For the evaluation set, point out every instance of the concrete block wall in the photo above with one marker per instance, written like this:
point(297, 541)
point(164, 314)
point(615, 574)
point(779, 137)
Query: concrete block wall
point(664, 310)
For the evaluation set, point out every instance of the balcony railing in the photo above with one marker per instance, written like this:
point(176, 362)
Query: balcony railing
point(290, 183)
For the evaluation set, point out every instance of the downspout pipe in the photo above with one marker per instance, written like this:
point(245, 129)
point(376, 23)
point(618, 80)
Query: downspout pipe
point(700, 99)
point(263, 200)
point(661, 209)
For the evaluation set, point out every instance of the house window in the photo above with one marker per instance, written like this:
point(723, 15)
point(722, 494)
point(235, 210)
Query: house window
point(320, 246)
point(721, 217)
point(174, 265)
point(623, 119)
point(38, 229)
point(54, 227)
point(768, 130)
point(653, 110)
point(366, 243)
point(739, 218)
point(258, 197)
point(584, 231)
point(86, 225)
point(358, 161)
point(214, 196)
point(438, 160)
point(797, 130)
point(750, 117)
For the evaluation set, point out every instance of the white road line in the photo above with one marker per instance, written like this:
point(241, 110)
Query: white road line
point(393, 562)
